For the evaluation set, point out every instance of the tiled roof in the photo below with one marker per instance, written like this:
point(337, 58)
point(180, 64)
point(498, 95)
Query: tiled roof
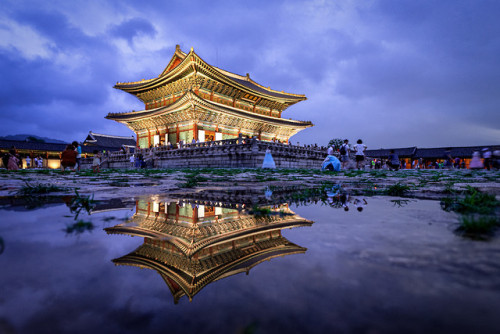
point(5, 145)
point(460, 152)
point(430, 153)
point(96, 139)
point(228, 109)
point(384, 153)
point(256, 87)
point(35, 146)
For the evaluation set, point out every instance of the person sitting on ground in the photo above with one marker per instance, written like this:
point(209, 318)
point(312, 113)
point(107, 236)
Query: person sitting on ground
point(68, 158)
point(13, 161)
point(330, 151)
point(393, 161)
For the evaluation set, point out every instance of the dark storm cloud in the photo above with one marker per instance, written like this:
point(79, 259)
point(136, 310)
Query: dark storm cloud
point(419, 64)
point(132, 28)
point(54, 26)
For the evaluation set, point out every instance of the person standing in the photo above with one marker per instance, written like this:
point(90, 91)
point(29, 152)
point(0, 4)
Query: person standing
point(360, 149)
point(96, 162)
point(78, 150)
point(447, 159)
point(40, 161)
point(344, 153)
point(28, 161)
point(476, 162)
point(393, 161)
point(487, 158)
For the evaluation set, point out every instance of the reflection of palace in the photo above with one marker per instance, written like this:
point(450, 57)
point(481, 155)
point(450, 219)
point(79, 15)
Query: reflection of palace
point(191, 245)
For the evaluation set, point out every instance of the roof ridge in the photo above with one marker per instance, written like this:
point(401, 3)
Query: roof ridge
point(247, 78)
point(111, 136)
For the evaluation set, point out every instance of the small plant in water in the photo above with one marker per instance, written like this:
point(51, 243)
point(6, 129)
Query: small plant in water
point(478, 226)
point(264, 211)
point(29, 190)
point(474, 201)
point(397, 189)
point(79, 227)
point(79, 203)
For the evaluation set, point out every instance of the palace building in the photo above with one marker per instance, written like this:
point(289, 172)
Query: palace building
point(191, 99)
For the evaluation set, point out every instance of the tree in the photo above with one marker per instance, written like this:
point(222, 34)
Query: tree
point(34, 139)
point(335, 143)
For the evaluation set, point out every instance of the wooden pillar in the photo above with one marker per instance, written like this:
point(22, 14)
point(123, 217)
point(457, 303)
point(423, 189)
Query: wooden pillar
point(195, 131)
point(177, 133)
point(195, 215)
point(137, 140)
point(149, 139)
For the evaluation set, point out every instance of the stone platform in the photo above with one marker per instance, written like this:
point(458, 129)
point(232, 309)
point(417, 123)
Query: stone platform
point(232, 153)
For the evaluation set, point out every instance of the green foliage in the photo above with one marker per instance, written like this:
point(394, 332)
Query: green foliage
point(335, 143)
point(474, 201)
point(397, 189)
point(474, 225)
point(31, 190)
point(263, 178)
point(34, 139)
point(192, 180)
point(263, 211)
point(378, 173)
point(354, 173)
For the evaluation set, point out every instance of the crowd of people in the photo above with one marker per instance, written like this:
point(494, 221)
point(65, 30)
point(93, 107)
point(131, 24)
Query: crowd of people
point(484, 160)
point(12, 160)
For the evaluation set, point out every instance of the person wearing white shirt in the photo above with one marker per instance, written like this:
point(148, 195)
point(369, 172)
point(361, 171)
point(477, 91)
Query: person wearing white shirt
point(360, 149)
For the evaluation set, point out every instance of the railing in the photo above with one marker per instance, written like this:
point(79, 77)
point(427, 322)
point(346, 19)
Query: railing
point(219, 147)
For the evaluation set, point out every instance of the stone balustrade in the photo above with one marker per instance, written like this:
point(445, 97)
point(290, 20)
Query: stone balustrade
point(230, 153)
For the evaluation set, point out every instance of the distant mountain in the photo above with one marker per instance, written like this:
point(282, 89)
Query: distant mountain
point(32, 138)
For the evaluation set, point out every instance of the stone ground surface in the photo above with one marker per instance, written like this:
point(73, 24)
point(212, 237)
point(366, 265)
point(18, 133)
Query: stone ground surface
point(425, 184)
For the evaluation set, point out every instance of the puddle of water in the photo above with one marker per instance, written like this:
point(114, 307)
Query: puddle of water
point(393, 267)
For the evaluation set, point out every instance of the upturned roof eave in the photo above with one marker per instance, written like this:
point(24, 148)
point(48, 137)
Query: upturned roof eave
point(190, 97)
point(223, 75)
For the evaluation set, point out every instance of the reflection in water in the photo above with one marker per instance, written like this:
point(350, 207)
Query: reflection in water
point(79, 227)
point(192, 243)
point(400, 202)
point(338, 197)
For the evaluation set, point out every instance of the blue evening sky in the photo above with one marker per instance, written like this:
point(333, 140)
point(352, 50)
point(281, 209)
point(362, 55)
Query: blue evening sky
point(394, 73)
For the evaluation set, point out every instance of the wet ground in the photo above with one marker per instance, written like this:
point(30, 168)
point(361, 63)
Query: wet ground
point(396, 266)
point(426, 184)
